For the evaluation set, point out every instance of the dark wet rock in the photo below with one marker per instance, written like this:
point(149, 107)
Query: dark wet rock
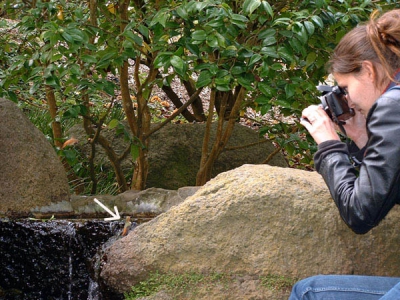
point(54, 259)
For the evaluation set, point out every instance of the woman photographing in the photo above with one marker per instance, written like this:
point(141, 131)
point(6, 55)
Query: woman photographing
point(366, 65)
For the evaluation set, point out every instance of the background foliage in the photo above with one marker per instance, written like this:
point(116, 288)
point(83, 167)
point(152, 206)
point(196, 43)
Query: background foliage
point(68, 62)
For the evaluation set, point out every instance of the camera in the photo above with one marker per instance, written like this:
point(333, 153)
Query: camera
point(335, 104)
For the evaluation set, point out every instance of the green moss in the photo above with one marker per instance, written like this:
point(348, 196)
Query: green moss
point(175, 283)
point(192, 285)
point(277, 282)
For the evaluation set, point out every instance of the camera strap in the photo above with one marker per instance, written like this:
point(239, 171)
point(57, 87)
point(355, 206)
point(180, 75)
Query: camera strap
point(341, 127)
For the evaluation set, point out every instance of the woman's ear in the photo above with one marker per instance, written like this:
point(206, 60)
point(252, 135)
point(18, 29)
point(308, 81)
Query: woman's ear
point(370, 71)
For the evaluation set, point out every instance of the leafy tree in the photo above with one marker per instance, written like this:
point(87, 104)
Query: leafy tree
point(251, 53)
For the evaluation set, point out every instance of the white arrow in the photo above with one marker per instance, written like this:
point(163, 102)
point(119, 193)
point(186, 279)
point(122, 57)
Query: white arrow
point(115, 216)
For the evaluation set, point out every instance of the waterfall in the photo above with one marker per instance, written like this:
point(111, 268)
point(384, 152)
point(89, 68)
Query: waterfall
point(57, 259)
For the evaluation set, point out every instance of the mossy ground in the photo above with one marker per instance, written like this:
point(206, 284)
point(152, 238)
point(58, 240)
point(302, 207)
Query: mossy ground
point(211, 286)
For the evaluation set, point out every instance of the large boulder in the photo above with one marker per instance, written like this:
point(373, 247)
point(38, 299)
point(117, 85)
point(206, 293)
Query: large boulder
point(31, 174)
point(175, 152)
point(254, 220)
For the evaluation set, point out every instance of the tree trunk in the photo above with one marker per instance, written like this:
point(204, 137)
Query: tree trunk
point(53, 110)
point(94, 137)
point(139, 123)
point(141, 170)
point(223, 134)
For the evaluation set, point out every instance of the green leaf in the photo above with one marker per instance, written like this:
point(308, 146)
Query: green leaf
point(160, 17)
point(255, 58)
point(286, 53)
point(178, 64)
point(236, 70)
point(199, 35)
point(290, 90)
point(345, 19)
point(72, 112)
point(90, 59)
point(220, 39)
point(108, 87)
point(246, 81)
point(204, 66)
point(283, 20)
point(223, 87)
point(222, 73)
point(249, 6)
point(310, 58)
point(52, 81)
point(276, 66)
point(320, 3)
point(113, 123)
point(269, 51)
point(266, 89)
point(269, 41)
point(67, 37)
point(212, 41)
point(133, 37)
point(12, 96)
point(78, 36)
point(179, 52)
point(182, 12)
point(268, 9)
point(317, 20)
point(239, 20)
point(56, 57)
point(216, 23)
point(194, 49)
point(301, 32)
point(144, 31)
point(310, 27)
point(135, 150)
point(108, 54)
point(298, 46)
point(266, 33)
point(204, 79)
point(262, 100)
point(194, 6)
point(283, 103)
point(268, 37)
point(163, 59)
point(222, 82)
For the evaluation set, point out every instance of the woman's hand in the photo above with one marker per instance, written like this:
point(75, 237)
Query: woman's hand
point(318, 124)
point(356, 130)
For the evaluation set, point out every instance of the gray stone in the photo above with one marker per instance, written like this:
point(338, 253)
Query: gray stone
point(254, 220)
point(31, 174)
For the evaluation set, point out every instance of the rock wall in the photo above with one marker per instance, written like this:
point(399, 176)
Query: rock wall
point(31, 174)
point(255, 219)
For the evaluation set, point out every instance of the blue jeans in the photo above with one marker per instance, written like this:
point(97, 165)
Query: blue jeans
point(346, 287)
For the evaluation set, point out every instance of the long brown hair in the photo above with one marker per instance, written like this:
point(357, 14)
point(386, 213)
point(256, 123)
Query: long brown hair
point(377, 41)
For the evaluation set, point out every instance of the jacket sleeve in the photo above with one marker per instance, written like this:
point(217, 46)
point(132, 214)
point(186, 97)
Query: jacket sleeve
point(364, 199)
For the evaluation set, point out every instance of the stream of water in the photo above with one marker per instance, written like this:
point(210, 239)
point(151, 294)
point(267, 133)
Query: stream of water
point(55, 260)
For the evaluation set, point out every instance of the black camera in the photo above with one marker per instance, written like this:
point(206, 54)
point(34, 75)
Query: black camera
point(335, 104)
